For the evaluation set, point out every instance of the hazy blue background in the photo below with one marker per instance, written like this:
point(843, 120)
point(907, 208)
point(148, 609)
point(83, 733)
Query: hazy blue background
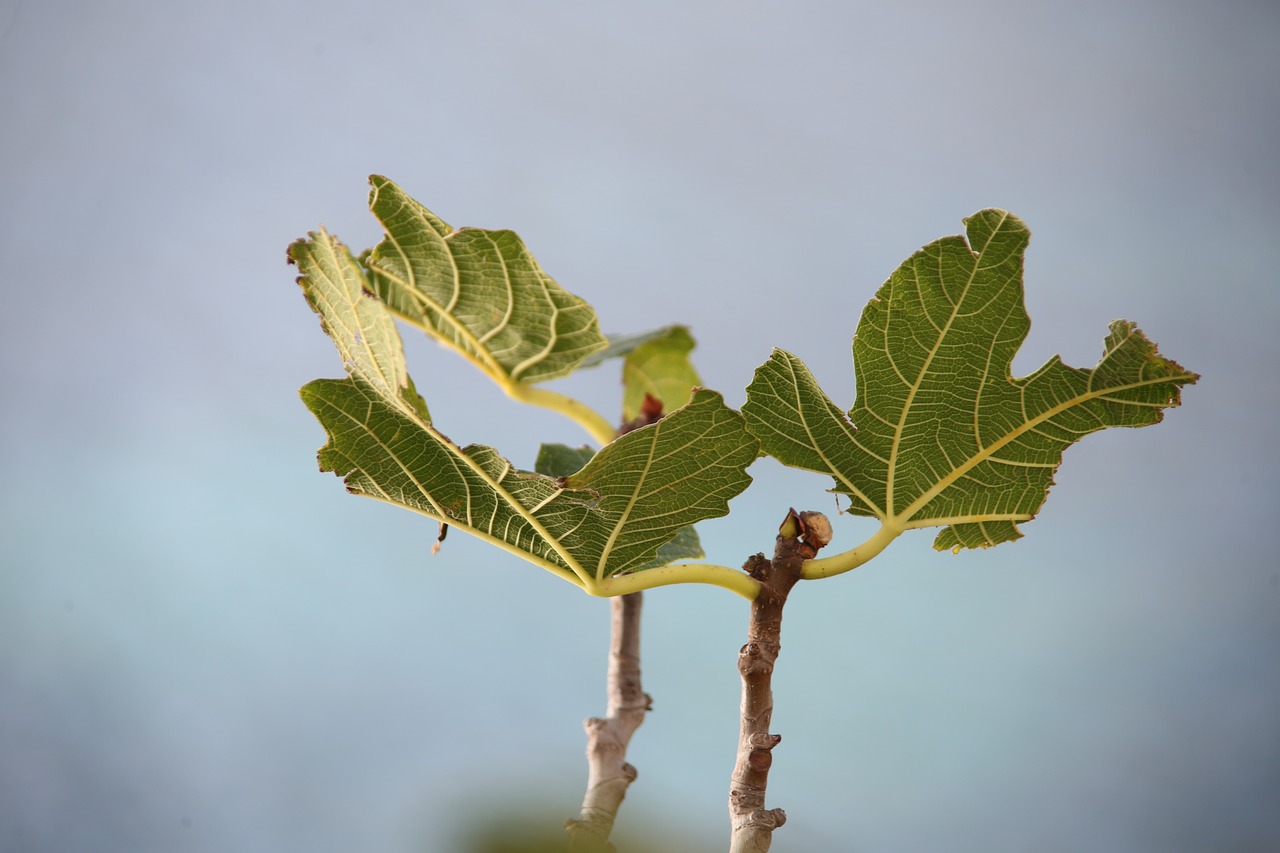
point(205, 645)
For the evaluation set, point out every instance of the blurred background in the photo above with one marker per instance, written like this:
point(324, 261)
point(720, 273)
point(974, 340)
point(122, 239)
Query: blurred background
point(206, 645)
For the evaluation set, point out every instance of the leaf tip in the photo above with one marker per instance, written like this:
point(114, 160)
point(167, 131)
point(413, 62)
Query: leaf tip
point(377, 183)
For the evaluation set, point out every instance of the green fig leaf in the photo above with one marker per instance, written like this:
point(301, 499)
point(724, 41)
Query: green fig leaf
point(659, 368)
point(561, 460)
point(622, 345)
point(941, 434)
point(365, 334)
point(479, 292)
point(558, 460)
point(612, 515)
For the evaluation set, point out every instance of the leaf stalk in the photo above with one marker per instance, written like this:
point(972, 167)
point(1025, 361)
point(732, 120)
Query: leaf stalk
point(838, 564)
point(733, 580)
point(580, 413)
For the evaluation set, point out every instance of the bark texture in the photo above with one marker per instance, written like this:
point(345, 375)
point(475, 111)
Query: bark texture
point(752, 823)
point(608, 773)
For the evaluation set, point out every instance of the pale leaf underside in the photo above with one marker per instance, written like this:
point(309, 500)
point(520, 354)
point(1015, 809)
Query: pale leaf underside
point(478, 291)
point(364, 333)
point(612, 516)
point(633, 498)
point(558, 460)
point(619, 346)
point(941, 434)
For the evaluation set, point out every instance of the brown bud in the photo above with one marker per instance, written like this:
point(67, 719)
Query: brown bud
point(817, 529)
point(756, 566)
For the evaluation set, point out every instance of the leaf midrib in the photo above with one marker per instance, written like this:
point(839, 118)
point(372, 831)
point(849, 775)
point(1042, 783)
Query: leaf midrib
point(631, 502)
point(924, 370)
point(880, 512)
point(338, 257)
point(960, 470)
point(458, 455)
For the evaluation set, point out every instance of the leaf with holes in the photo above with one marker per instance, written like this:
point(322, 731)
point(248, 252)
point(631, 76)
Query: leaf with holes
point(941, 434)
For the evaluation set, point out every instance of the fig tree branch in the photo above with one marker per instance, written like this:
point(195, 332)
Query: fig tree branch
point(799, 539)
point(608, 773)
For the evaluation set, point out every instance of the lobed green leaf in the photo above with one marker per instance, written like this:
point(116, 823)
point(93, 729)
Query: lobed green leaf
point(941, 434)
point(624, 510)
point(632, 499)
point(480, 292)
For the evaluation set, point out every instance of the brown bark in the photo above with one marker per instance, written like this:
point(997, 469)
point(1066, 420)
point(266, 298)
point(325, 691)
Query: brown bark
point(798, 540)
point(608, 773)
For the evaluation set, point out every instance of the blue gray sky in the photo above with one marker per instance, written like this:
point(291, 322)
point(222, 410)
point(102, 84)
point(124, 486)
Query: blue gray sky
point(205, 645)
